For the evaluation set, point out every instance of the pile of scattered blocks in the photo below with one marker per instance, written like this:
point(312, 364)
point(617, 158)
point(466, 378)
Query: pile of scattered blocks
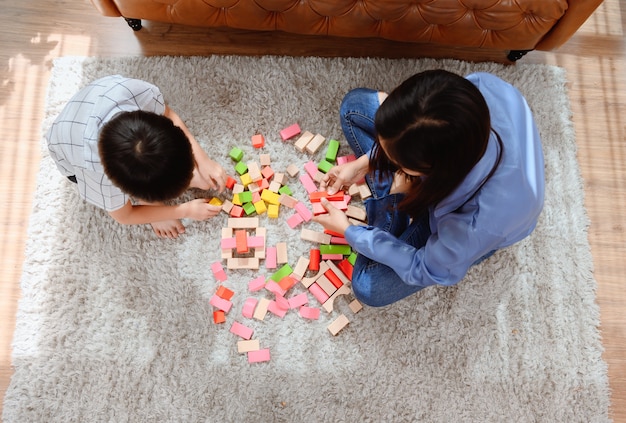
point(260, 190)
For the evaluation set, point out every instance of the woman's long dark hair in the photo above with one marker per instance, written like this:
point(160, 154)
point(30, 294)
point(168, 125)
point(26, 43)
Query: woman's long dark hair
point(436, 123)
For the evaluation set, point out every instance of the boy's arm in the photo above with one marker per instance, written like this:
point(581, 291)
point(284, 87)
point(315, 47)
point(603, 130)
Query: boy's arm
point(198, 209)
point(208, 174)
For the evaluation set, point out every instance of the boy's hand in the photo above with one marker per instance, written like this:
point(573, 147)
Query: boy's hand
point(209, 175)
point(200, 209)
point(335, 220)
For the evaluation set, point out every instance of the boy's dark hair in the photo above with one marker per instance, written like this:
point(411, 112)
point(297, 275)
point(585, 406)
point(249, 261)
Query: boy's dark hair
point(146, 155)
point(436, 123)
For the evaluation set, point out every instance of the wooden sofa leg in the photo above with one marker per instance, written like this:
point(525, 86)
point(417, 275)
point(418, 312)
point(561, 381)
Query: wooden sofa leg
point(135, 24)
point(515, 55)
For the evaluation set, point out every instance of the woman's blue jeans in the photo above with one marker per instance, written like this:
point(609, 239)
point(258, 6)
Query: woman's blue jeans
point(374, 283)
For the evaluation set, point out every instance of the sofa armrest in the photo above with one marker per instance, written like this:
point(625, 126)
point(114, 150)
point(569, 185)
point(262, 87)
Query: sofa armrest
point(107, 8)
point(577, 13)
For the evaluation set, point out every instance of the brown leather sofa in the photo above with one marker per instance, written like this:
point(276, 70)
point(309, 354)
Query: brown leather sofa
point(514, 26)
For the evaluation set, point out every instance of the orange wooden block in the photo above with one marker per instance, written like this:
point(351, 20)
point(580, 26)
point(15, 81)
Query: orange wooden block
point(224, 292)
point(241, 239)
point(258, 141)
point(287, 283)
point(219, 316)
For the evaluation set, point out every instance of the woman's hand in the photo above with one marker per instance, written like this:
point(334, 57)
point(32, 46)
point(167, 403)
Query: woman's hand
point(335, 220)
point(345, 175)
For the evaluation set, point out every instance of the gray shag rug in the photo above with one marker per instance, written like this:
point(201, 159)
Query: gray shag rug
point(115, 325)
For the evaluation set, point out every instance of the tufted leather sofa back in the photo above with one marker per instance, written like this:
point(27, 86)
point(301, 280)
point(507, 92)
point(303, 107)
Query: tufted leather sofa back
point(499, 24)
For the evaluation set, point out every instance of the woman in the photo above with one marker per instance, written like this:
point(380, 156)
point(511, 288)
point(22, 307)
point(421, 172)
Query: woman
point(455, 167)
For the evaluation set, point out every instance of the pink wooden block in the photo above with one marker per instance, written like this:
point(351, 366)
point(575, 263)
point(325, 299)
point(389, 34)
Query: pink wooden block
point(274, 288)
point(270, 257)
point(218, 271)
point(338, 240)
point(220, 303)
point(298, 300)
point(241, 330)
point(303, 211)
point(281, 302)
point(248, 307)
point(228, 243)
point(290, 132)
point(311, 169)
point(267, 172)
point(308, 183)
point(318, 293)
point(256, 241)
point(310, 312)
point(256, 284)
point(332, 257)
point(275, 309)
point(259, 355)
point(345, 159)
point(294, 220)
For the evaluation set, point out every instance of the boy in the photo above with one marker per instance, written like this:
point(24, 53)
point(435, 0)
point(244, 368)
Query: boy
point(117, 140)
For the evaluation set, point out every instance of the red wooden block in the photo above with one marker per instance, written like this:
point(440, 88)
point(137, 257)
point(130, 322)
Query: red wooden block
point(334, 279)
point(230, 183)
point(315, 258)
point(258, 141)
point(346, 267)
point(219, 316)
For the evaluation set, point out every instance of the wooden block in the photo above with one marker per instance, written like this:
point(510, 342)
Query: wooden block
point(287, 283)
point(265, 159)
point(287, 201)
point(356, 213)
point(303, 211)
point(313, 236)
point(227, 206)
point(280, 178)
point(242, 263)
point(256, 284)
point(274, 309)
point(290, 132)
point(332, 150)
point(274, 186)
point(310, 312)
point(243, 223)
point(364, 191)
point(355, 306)
point(314, 259)
point(259, 356)
point(241, 240)
point(330, 303)
point(219, 316)
point(338, 324)
point(298, 300)
point(293, 170)
point(315, 144)
point(267, 172)
point(224, 292)
point(270, 259)
point(311, 169)
point(306, 282)
point(308, 183)
point(248, 307)
point(339, 273)
point(319, 294)
point(300, 269)
point(324, 283)
point(220, 303)
point(281, 253)
point(272, 211)
point(294, 220)
point(304, 139)
point(258, 141)
point(261, 309)
point(218, 271)
point(241, 330)
point(245, 346)
point(254, 171)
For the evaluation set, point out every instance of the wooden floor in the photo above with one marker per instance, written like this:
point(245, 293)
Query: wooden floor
point(34, 32)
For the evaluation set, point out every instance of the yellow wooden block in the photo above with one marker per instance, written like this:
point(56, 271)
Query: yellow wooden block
point(246, 179)
point(272, 211)
point(270, 197)
point(215, 201)
point(260, 207)
point(237, 200)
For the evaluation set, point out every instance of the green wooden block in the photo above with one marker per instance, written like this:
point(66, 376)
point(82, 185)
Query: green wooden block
point(241, 168)
point(332, 150)
point(352, 258)
point(324, 166)
point(245, 197)
point(285, 190)
point(236, 154)
point(249, 208)
point(286, 270)
point(344, 250)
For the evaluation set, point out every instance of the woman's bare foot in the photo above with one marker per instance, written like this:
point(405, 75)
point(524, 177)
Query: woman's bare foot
point(168, 228)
